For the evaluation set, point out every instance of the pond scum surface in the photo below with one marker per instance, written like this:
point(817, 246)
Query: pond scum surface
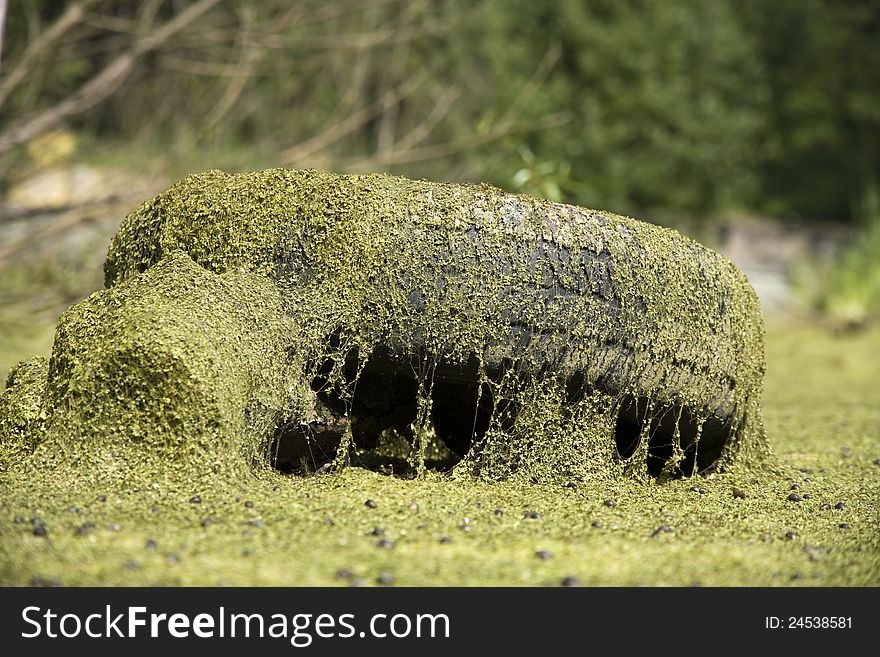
point(149, 449)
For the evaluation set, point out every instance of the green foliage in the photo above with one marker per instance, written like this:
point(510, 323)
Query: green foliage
point(667, 109)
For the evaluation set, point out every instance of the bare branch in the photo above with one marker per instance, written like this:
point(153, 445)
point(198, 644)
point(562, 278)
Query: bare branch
point(43, 42)
point(104, 83)
point(347, 125)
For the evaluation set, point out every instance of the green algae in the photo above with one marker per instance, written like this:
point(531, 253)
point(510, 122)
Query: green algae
point(226, 296)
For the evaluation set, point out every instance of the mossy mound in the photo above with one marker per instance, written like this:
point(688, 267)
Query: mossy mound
point(250, 314)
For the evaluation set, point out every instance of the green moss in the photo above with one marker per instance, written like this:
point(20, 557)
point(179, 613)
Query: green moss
point(21, 411)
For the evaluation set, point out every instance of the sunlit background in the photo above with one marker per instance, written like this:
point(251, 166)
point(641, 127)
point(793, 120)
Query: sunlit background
point(751, 125)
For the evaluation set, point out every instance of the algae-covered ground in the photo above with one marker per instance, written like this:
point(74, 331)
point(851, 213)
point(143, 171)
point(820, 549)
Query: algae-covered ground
point(357, 526)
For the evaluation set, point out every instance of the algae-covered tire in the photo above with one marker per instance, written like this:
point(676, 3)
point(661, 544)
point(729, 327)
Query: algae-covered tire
point(463, 286)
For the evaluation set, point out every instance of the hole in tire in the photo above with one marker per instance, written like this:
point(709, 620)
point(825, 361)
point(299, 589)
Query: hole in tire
point(382, 417)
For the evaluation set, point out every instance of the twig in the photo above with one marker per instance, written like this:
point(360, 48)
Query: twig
point(104, 83)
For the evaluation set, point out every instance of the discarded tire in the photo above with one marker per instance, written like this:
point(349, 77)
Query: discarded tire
point(530, 338)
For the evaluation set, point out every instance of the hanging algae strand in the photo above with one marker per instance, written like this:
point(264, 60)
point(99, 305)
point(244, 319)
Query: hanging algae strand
point(300, 318)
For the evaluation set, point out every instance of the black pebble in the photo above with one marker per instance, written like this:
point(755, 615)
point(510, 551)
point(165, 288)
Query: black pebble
point(370, 504)
point(661, 529)
point(533, 515)
point(739, 494)
point(256, 523)
point(596, 524)
point(543, 554)
point(101, 498)
point(795, 487)
point(807, 479)
point(385, 578)
point(569, 484)
point(445, 539)
point(385, 544)
point(700, 490)
point(791, 535)
point(150, 544)
point(840, 506)
point(40, 530)
point(498, 513)
point(806, 470)
point(609, 503)
point(84, 529)
point(843, 525)
point(378, 531)
point(569, 581)
point(248, 504)
point(794, 497)
point(808, 496)
point(877, 462)
point(195, 499)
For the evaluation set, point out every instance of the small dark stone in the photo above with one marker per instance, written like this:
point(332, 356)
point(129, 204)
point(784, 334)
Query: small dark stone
point(40, 530)
point(700, 490)
point(791, 535)
point(195, 499)
point(385, 579)
point(596, 524)
point(378, 531)
point(40, 582)
point(101, 498)
point(543, 555)
point(794, 497)
point(343, 573)
point(84, 529)
point(739, 494)
point(569, 484)
point(807, 496)
point(824, 507)
point(256, 523)
point(795, 487)
point(371, 504)
point(150, 544)
point(808, 479)
point(385, 544)
point(498, 513)
point(806, 470)
point(248, 504)
point(609, 503)
point(445, 539)
point(207, 522)
point(877, 462)
point(533, 515)
point(73, 509)
point(660, 530)
point(18, 520)
point(843, 525)
point(569, 581)
point(840, 506)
